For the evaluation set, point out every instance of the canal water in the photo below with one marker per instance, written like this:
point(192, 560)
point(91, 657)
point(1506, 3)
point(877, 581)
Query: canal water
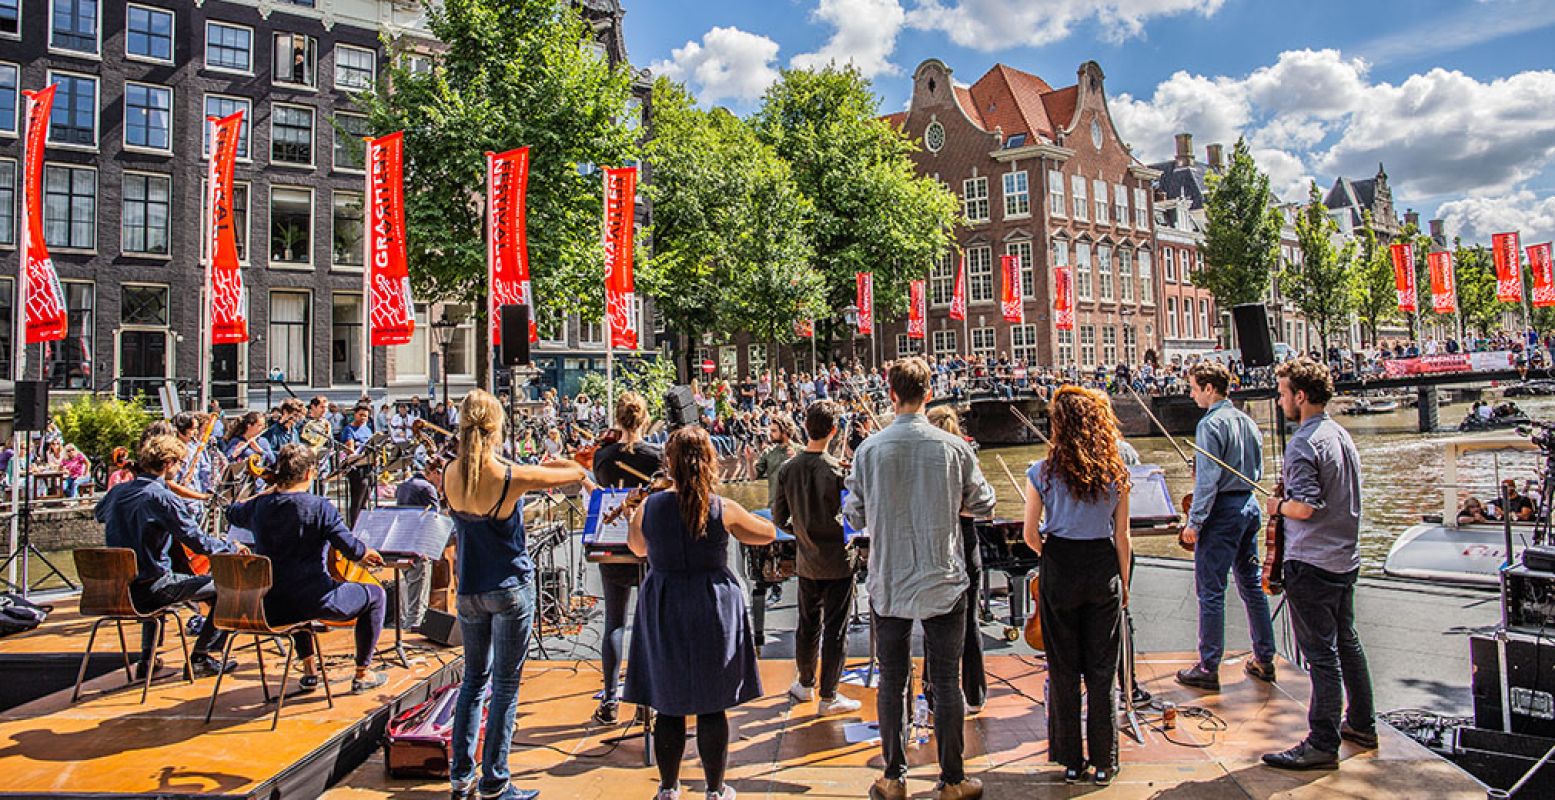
point(1400, 472)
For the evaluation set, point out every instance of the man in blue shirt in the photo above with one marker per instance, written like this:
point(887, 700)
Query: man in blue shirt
point(283, 430)
point(143, 515)
point(1222, 529)
point(355, 435)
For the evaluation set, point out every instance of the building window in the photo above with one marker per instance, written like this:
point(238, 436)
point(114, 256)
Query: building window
point(222, 106)
point(1168, 265)
point(1028, 267)
point(291, 225)
point(1141, 210)
point(291, 134)
point(906, 345)
point(979, 271)
point(1146, 279)
point(1130, 346)
point(1126, 275)
point(145, 222)
point(70, 207)
point(1056, 200)
point(148, 33)
point(350, 152)
point(1060, 252)
point(1204, 318)
point(945, 341)
point(1187, 318)
point(1109, 345)
point(1023, 343)
point(10, 25)
point(1104, 270)
point(229, 47)
point(1171, 317)
point(1017, 195)
point(7, 205)
point(1065, 347)
point(74, 26)
point(296, 57)
point(144, 305)
point(349, 229)
point(1120, 204)
point(1082, 270)
point(416, 63)
point(239, 219)
point(6, 294)
point(70, 361)
point(73, 120)
point(942, 280)
point(9, 97)
point(1099, 186)
point(345, 345)
point(984, 342)
point(148, 113)
point(1087, 346)
point(974, 199)
point(1081, 201)
point(289, 341)
point(355, 68)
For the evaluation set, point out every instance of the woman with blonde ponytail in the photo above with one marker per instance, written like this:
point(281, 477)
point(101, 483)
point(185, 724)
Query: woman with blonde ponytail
point(496, 588)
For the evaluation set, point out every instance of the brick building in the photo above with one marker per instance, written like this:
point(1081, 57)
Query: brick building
point(1190, 318)
point(1044, 175)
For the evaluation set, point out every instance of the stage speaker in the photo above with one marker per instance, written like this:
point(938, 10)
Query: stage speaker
point(515, 335)
point(1252, 334)
point(32, 405)
point(441, 627)
point(1530, 682)
point(680, 407)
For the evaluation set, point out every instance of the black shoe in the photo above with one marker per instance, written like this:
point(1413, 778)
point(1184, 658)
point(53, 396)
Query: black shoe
point(1073, 774)
point(1199, 678)
point(308, 683)
point(1303, 756)
point(1262, 670)
point(206, 666)
point(774, 596)
point(1366, 740)
point(368, 682)
point(1141, 697)
point(606, 713)
point(1103, 777)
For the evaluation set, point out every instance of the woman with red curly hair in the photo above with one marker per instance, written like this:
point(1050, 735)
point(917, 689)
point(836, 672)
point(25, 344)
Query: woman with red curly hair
point(1077, 519)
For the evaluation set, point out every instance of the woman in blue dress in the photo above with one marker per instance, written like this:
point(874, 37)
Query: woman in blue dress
point(692, 653)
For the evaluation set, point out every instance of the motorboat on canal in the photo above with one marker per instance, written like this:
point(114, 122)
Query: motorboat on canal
point(1440, 550)
point(1372, 405)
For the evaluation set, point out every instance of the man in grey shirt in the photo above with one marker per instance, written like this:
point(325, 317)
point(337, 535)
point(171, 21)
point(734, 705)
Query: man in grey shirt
point(1322, 510)
point(910, 484)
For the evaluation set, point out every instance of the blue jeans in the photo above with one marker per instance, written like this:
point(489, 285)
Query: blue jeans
point(495, 626)
point(1229, 542)
point(1322, 606)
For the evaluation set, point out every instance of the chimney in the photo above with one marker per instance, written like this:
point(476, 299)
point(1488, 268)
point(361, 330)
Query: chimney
point(1412, 217)
point(1438, 232)
point(1184, 149)
point(1216, 154)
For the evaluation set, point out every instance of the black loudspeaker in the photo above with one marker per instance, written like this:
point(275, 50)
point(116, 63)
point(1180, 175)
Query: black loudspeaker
point(441, 627)
point(32, 405)
point(680, 407)
point(515, 335)
point(1530, 682)
point(1252, 334)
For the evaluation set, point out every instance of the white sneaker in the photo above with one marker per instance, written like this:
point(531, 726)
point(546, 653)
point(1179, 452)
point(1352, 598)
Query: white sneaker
point(841, 704)
point(971, 710)
point(800, 692)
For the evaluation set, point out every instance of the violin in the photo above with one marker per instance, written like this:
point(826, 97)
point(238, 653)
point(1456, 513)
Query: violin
point(635, 498)
point(1274, 548)
point(584, 455)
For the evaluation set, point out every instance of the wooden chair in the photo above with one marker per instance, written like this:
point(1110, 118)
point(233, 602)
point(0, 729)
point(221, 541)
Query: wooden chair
point(242, 581)
point(106, 574)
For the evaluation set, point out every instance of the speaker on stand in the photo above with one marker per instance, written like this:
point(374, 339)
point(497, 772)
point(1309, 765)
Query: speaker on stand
point(1253, 335)
point(680, 407)
point(31, 416)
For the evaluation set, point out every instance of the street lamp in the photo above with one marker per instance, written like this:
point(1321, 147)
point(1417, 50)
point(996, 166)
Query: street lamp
point(443, 332)
point(850, 316)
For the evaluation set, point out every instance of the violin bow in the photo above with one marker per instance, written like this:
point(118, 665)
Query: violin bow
point(1032, 426)
point(1011, 476)
point(1201, 451)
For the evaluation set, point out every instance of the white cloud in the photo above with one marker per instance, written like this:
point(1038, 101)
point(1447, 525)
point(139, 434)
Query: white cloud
point(990, 25)
point(1476, 218)
point(729, 64)
point(1472, 24)
point(865, 35)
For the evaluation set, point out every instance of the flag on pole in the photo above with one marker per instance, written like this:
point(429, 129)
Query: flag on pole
point(1010, 300)
point(507, 239)
point(391, 309)
point(917, 314)
point(1509, 276)
point(866, 302)
point(958, 299)
point(45, 319)
point(1404, 276)
point(229, 299)
point(1444, 284)
point(1543, 279)
point(620, 292)
point(1063, 298)
point(804, 328)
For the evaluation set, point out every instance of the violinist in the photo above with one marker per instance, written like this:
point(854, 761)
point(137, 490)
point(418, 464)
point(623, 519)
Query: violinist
point(248, 439)
point(195, 477)
point(618, 580)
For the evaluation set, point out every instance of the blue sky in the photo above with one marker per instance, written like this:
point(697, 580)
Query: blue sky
point(1456, 97)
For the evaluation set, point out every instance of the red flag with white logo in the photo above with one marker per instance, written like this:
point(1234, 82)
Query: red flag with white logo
point(1444, 283)
point(507, 239)
point(866, 302)
point(45, 319)
point(391, 309)
point(1010, 300)
point(918, 312)
point(804, 328)
point(620, 292)
point(1509, 277)
point(1543, 280)
point(1063, 298)
point(1404, 276)
point(229, 297)
point(958, 300)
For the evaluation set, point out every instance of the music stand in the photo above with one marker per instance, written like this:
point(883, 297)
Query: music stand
point(403, 534)
point(597, 535)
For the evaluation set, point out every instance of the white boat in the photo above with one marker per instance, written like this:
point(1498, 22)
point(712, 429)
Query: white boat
point(1441, 550)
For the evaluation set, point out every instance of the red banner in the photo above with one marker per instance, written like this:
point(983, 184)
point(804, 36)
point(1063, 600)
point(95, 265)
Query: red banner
point(1010, 301)
point(1444, 284)
point(507, 239)
point(620, 292)
point(391, 309)
point(917, 314)
point(866, 302)
point(1543, 278)
point(1427, 365)
point(1404, 276)
point(1063, 299)
point(958, 300)
point(45, 319)
point(804, 328)
point(1509, 276)
point(229, 299)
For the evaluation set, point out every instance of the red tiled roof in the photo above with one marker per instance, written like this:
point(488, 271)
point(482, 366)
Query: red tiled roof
point(1060, 105)
point(896, 120)
point(1017, 102)
point(964, 99)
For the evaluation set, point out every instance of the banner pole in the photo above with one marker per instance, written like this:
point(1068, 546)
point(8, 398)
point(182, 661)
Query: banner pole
point(207, 230)
point(16, 468)
point(610, 373)
point(367, 269)
point(492, 323)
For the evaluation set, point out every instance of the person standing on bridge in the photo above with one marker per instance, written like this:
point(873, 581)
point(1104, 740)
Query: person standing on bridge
point(1222, 529)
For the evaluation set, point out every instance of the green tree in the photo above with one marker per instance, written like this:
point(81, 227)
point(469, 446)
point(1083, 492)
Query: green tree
point(1242, 233)
point(512, 73)
point(1319, 285)
point(873, 213)
point(1373, 290)
point(98, 423)
point(1476, 279)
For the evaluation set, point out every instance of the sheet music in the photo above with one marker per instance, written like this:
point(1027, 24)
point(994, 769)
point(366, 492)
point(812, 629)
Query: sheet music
point(405, 531)
point(601, 502)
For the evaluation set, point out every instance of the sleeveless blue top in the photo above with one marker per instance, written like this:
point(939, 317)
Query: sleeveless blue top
point(493, 553)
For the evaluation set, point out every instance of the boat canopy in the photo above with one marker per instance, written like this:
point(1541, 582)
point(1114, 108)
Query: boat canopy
point(1458, 446)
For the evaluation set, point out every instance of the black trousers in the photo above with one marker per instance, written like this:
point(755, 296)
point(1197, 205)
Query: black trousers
point(1322, 613)
point(359, 485)
point(974, 678)
point(942, 653)
point(1082, 612)
point(824, 606)
point(174, 588)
